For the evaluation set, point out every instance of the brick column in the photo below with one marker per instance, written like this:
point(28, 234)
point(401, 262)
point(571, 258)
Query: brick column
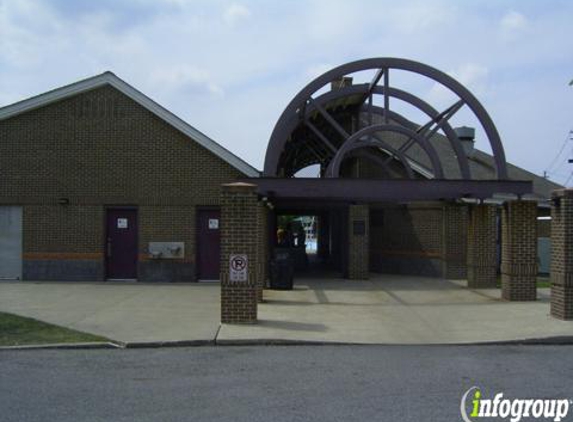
point(519, 251)
point(358, 241)
point(454, 245)
point(240, 235)
point(263, 248)
point(482, 230)
point(562, 254)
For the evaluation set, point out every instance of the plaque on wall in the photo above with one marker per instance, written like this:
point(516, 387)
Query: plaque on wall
point(358, 227)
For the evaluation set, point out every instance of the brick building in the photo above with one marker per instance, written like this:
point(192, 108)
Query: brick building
point(99, 182)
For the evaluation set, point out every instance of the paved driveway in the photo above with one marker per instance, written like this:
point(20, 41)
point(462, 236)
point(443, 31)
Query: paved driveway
point(126, 312)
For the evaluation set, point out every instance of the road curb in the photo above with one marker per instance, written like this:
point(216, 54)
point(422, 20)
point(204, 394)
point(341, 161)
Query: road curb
point(547, 341)
point(161, 344)
point(63, 346)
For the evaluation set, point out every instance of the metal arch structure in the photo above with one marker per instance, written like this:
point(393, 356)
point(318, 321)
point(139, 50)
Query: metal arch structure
point(329, 149)
point(354, 142)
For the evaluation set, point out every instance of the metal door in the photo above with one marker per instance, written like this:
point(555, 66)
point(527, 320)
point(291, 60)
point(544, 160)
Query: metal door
point(121, 243)
point(208, 244)
point(10, 242)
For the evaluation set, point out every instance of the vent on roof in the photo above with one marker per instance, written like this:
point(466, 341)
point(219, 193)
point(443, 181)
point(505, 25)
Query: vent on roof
point(466, 136)
point(343, 82)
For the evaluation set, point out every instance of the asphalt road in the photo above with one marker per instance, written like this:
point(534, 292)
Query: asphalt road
point(292, 383)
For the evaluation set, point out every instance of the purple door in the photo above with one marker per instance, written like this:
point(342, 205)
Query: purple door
point(121, 243)
point(208, 244)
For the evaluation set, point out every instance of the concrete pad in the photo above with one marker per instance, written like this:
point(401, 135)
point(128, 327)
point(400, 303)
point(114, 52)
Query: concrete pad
point(126, 312)
point(393, 309)
point(386, 309)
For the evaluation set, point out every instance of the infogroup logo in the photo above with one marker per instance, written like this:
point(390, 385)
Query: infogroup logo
point(514, 409)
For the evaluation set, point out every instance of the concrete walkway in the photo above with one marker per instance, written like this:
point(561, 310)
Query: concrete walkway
point(392, 309)
point(387, 309)
point(125, 312)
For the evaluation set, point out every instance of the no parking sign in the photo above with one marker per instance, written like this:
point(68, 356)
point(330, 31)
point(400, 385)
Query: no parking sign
point(238, 265)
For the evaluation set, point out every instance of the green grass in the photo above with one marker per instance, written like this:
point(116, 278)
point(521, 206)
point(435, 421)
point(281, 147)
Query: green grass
point(542, 281)
point(16, 330)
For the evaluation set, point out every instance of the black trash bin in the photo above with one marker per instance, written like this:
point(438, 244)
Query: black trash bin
point(281, 270)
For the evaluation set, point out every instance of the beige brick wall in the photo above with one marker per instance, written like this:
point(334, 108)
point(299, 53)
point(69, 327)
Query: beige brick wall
point(519, 251)
point(407, 239)
point(562, 255)
point(358, 248)
point(481, 251)
point(99, 149)
point(241, 215)
point(454, 248)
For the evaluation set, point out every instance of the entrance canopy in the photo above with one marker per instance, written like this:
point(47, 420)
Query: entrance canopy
point(366, 150)
point(333, 119)
point(279, 190)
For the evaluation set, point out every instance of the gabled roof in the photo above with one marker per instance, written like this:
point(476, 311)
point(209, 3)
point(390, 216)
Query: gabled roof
point(108, 78)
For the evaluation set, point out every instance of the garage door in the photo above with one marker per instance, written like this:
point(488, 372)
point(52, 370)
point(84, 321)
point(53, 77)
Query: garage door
point(10, 242)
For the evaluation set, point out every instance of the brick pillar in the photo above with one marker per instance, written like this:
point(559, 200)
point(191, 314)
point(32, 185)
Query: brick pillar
point(240, 235)
point(562, 254)
point(454, 242)
point(482, 231)
point(358, 241)
point(519, 251)
point(263, 248)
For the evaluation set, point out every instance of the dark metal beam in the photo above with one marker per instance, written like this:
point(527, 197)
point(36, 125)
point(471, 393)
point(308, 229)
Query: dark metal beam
point(320, 135)
point(396, 190)
point(386, 95)
point(438, 120)
point(394, 153)
point(375, 80)
point(333, 169)
point(329, 118)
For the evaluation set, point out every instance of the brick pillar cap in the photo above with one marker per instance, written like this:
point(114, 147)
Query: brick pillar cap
point(562, 193)
point(239, 187)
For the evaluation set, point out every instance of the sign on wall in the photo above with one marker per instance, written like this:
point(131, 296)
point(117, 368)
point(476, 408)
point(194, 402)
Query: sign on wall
point(358, 227)
point(238, 266)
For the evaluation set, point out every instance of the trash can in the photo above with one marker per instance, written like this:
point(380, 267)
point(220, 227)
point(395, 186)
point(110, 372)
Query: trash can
point(281, 270)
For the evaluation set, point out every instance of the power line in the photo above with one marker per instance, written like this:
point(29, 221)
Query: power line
point(567, 139)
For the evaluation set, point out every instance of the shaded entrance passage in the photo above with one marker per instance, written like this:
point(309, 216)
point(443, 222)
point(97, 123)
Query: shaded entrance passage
point(317, 251)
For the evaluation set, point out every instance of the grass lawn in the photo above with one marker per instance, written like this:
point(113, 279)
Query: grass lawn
point(542, 281)
point(16, 330)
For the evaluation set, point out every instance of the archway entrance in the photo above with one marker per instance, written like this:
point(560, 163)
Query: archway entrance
point(411, 178)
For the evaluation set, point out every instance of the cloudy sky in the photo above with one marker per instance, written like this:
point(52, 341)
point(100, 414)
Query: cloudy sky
point(230, 67)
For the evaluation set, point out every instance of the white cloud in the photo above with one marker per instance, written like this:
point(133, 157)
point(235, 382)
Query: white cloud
point(421, 16)
point(235, 13)
point(513, 26)
point(471, 75)
point(513, 21)
point(184, 78)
